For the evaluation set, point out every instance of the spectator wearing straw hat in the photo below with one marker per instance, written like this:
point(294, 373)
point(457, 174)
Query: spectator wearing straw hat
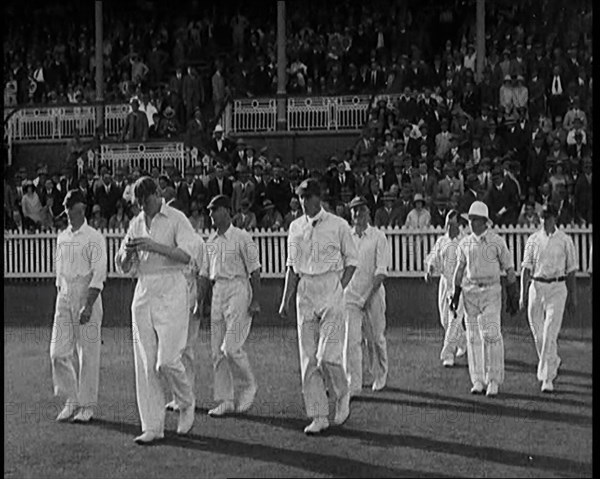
point(418, 217)
point(168, 125)
point(271, 218)
point(218, 145)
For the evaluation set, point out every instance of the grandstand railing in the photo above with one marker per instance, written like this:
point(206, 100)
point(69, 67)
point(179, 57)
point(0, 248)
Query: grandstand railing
point(32, 255)
point(60, 122)
point(241, 115)
point(142, 155)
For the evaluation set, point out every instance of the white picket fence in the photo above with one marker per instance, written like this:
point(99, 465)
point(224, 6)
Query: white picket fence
point(31, 255)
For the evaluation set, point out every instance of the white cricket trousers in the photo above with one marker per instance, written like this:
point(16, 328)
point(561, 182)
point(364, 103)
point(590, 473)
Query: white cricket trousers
point(160, 317)
point(230, 324)
point(545, 311)
point(76, 383)
point(321, 337)
point(454, 336)
point(365, 328)
point(485, 346)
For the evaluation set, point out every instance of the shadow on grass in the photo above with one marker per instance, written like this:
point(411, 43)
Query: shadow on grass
point(517, 365)
point(471, 451)
point(309, 461)
point(491, 407)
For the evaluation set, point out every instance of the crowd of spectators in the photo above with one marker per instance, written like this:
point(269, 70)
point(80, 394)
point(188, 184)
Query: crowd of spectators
point(519, 137)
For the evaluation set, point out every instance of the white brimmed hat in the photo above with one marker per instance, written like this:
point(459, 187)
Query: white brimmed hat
point(218, 129)
point(479, 208)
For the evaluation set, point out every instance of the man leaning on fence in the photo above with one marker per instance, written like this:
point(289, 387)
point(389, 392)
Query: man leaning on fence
point(81, 265)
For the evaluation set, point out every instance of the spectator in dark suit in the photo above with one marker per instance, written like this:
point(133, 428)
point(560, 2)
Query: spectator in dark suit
point(107, 196)
point(383, 215)
point(563, 205)
point(471, 194)
point(583, 193)
point(278, 190)
point(341, 179)
point(189, 191)
point(218, 146)
point(439, 211)
point(536, 162)
point(557, 92)
point(424, 183)
point(502, 200)
point(220, 184)
point(492, 143)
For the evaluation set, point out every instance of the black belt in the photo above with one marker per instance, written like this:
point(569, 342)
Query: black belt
point(550, 280)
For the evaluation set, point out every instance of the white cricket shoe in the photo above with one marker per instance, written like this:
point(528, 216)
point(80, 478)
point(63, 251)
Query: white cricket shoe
point(477, 388)
point(84, 415)
point(172, 406)
point(67, 411)
point(342, 409)
point(492, 389)
point(186, 418)
point(148, 437)
point(547, 387)
point(378, 385)
point(246, 399)
point(224, 408)
point(448, 363)
point(460, 352)
point(318, 425)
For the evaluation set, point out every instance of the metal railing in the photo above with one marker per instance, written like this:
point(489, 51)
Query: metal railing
point(31, 255)
point(60, 122)
point(142, 155)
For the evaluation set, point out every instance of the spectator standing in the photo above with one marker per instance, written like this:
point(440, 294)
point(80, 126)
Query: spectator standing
point(136, 124)
point(218, 89)
point(192, 92)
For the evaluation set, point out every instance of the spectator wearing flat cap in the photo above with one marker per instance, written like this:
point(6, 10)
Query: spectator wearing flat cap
point(244, 218)
point(238, 155)
point(384, 215)
point(243, 188)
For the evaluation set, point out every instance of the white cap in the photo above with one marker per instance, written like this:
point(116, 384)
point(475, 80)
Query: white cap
point(479, 208)
point(218, 129)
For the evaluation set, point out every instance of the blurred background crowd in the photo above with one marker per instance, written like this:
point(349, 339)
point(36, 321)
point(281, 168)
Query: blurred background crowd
point(518, 138)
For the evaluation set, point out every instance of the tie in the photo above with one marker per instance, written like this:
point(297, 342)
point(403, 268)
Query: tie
point(485, 181)
point(373, 76)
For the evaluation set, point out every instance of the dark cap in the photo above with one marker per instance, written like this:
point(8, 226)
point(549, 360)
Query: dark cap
point(73, 197)
point(549, 210)
point(219, 201)
point(309, 187)
point(357, 201)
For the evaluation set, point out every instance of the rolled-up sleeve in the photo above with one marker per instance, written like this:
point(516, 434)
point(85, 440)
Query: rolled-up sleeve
point(185, 236)
point(432, 259)
point(249, 252)
point(347, 247)
point(98, 261)
point(383, 258)
point(120, 256)
point(529, 254)
point(572, 263)
point(505, 257)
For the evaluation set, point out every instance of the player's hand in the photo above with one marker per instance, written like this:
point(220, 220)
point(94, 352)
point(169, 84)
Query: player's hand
point(427, 276)
point(144, 244)
point(284, 309)
point(254, 308)
point(85, 314)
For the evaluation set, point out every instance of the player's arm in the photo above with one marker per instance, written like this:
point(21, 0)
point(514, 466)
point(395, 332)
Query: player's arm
point(459, 272)
point(289, 291)
point(349, 255)
point(126, 255)
point(527, 267)
point(382, 261)
point(571, 268)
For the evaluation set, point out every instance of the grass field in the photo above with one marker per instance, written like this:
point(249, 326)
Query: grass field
point(425, 423)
